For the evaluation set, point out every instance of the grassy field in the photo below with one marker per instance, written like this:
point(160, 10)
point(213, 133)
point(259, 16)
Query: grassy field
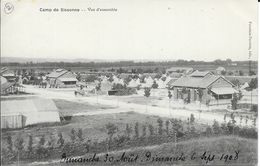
point(93, 126)
point(69, 107)
point(227, 150)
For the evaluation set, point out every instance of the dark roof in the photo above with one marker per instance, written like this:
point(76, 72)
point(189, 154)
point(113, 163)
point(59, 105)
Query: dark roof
point(6, 85)
point(200, 73)
point(196, 82)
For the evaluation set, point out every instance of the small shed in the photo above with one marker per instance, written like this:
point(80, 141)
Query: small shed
point(13, 121)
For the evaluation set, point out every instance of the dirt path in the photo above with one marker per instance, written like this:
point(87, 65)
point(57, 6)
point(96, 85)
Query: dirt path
point(201, 117)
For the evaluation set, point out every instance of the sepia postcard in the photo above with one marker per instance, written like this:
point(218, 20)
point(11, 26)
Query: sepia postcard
point(129, 82)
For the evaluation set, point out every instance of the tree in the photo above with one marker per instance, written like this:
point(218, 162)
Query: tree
point(155, 85)
point(144, 130)
point(253, 83)
point(160, 126)
point(167, 123)
point(111, 130)
point(192, 118)
point(9, 143)
point(223, 72)
point(240, 72)
point(30, 144)
point(200, 93)
point(19, 144)
point(251, 73)
point(137, 130)
point(151, 129)
point(216, 128)
point(80, 135)
point(169, 96)
point(234, 101)
point(236, 82)
point(60, 140)
point(42, 141)
point(110, 79)
point(127, 80)
point(98, 88)
point(208, 131)
point(147, 93)
point(72, 134)
point(128, 130)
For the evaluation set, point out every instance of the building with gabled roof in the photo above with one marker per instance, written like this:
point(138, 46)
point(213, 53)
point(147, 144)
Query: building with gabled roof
point(62, 78)
point(8, 74)
point(215, 89)
point(10, 87)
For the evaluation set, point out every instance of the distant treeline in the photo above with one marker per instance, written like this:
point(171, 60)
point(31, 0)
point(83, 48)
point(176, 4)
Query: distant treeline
point(217, 62)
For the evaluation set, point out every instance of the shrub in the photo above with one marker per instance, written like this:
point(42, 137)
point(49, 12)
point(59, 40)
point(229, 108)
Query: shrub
point(208, 131)
point(80, 135)
point(128, 131)
point(155, 85)
point(147, 92)
point(254, 108)
point(9, 143)
point(137, 130)
point(234, 101)
point(111, 130)
point(216, 128)
point(60, 140)
point(160, 126)
point(42, 141)
point(19, 144)
point(30, 144)
point(192, 118)
point(144, 130)
point(72, 134)
point(151, 129)
point(167, 122)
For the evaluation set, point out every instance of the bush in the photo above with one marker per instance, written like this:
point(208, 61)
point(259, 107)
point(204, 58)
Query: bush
point(60, 141)
point(128, 131)
point(19, 144)
point(155, 85)
point(192, 118)
point(144, 130)
point(30, 144)
point(137, 130)
point(216, 128)
point(160, 126)
point(73, 135)
point(254, 108)
point(208, 131)
point(167, 122)
point(9, 143)
point(151, 129)
point(80, 135)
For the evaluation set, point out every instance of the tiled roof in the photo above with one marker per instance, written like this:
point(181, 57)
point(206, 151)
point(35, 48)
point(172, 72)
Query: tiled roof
point(195, 82)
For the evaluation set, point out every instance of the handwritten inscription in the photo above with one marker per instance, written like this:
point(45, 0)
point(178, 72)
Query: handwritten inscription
point(148, 156)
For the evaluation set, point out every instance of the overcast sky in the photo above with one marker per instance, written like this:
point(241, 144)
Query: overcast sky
point(140, 29)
